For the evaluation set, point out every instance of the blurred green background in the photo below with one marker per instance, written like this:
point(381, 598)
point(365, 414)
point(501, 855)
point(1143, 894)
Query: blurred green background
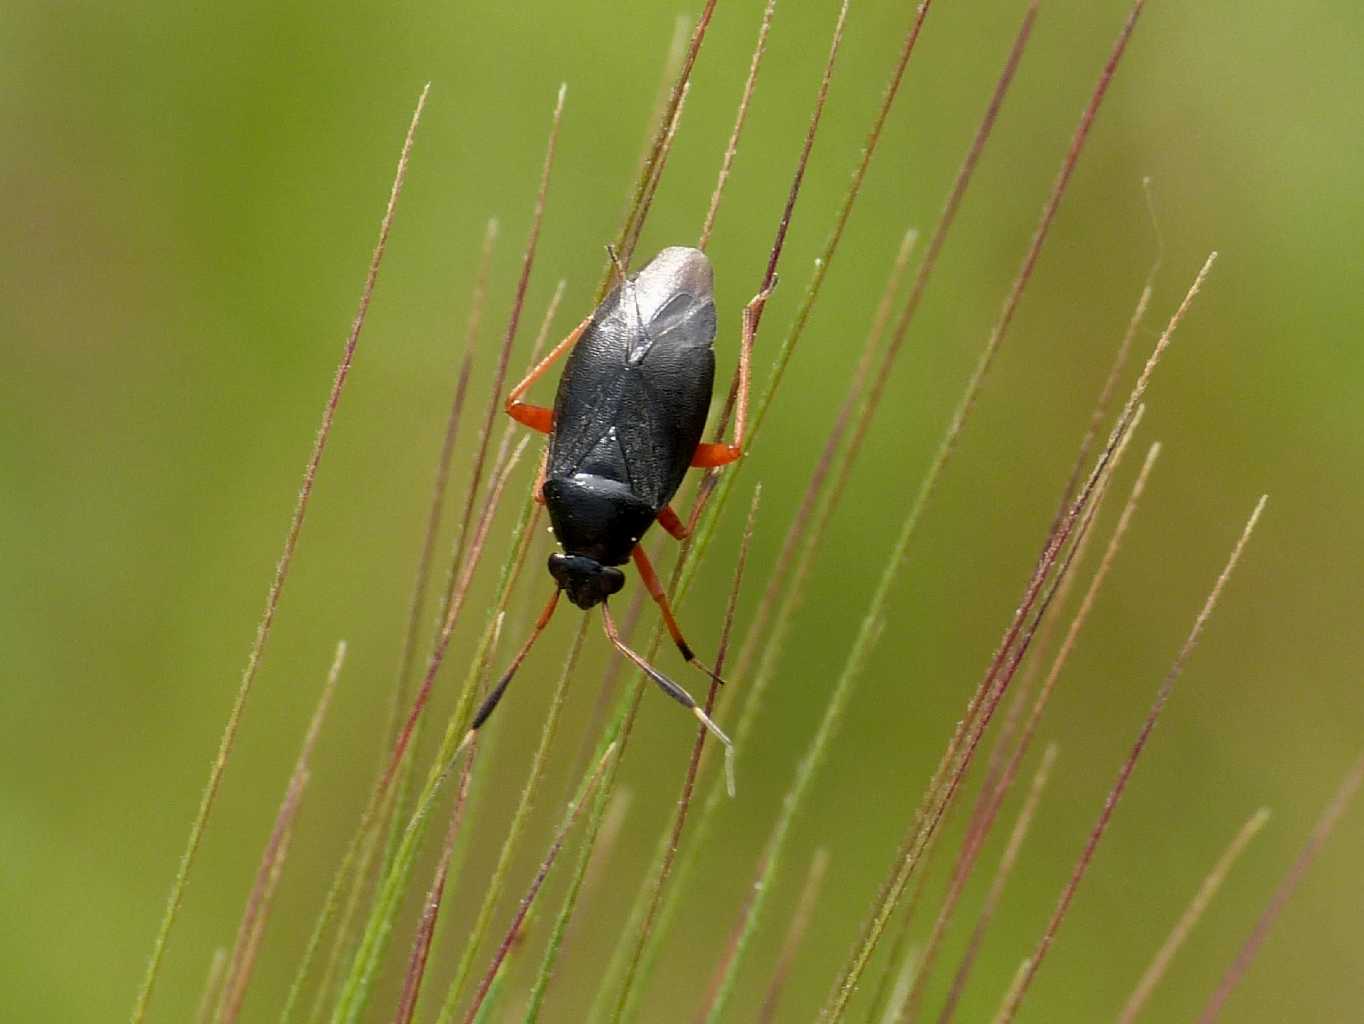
point(191, 193)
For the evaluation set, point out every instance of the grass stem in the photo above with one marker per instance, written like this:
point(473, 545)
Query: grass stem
point(426, 927)
point(1153, 974)
point(1020, 989)
point(520, 816)
point(1005, 868)
point(521, 911)
point(253, 660)
point(795, 934)
point(1325, 825)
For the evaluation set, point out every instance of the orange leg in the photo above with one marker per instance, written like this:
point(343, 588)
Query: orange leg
point(540, 417)
point(655, 588)
point(708, 454)
point(669, 520)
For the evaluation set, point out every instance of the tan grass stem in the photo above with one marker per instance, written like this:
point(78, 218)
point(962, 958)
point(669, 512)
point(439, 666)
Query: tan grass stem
point(1325, 825)
point(1160, 963)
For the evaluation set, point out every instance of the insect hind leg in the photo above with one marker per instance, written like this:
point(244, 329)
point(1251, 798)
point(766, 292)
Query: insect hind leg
point(656, 591)
point(713, 454)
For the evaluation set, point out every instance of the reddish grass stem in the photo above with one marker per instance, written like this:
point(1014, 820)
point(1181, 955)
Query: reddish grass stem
point(657, 151)
point(995, 764)
point(826, 79)
point(1034, 962)
point(460, 576)
point(940, 232)
point(1320, 833)
point(802, 520)
point(426, 927)
point(452, 615)
point(604, 830)
point(740, 117)
point(769, 279)
point(981, 706)
point(996, 789)
point(539, 880)
point(504, 354)
point(647, 201)
point(978, 829)
point(272, 599)
point(826, 258)
point(381, 795)
point(263, 898)
point(795, 934)
point(660, 879)
point(802, 525)
point(912, 850)
point(461, 572)
point(1192, 913)
point(417, 608)
point(731, 949)
point(1009, 769)
point(547, 321)
point(213, 983)
point(474, 934)
point(1001, 879)
point(1020, 692)
point(272, 858)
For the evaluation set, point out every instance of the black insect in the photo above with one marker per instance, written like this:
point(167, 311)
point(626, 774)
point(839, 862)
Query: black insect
point(625, 427)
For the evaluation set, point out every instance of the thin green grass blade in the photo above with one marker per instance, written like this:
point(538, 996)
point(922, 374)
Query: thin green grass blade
point(478, 929)
point(377, 931)
point(253, 661)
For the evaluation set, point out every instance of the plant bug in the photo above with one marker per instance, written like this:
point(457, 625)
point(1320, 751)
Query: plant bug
point(625, 427)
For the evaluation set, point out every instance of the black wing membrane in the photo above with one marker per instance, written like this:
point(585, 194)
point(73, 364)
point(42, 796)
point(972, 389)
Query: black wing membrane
point(587, 405)
point(666, 396)
point(635, 392)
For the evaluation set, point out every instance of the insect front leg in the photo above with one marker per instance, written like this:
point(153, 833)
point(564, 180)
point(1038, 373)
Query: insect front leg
point(541, 417)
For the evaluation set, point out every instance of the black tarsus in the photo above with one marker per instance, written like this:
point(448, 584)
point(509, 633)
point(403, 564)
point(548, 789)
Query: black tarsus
point(491, 701)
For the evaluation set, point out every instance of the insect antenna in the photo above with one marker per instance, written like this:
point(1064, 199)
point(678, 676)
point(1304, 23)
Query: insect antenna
point(490, 702)
point(672, 690)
